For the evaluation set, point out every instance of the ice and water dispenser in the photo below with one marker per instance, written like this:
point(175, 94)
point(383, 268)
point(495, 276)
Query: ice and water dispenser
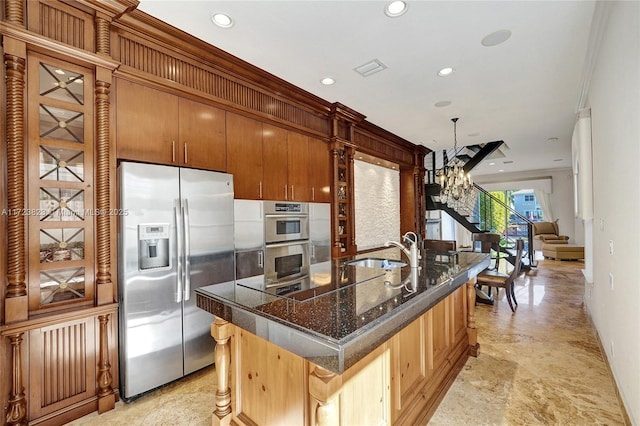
point(153, 245)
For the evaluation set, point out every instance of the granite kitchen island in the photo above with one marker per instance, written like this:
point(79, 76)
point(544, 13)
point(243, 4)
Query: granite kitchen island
point(363, 345)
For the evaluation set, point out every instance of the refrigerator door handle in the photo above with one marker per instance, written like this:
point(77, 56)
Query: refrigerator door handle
point(187, 252)
point(179, 250)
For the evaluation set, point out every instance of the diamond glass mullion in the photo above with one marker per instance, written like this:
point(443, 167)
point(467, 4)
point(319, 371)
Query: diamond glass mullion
point(61, 164)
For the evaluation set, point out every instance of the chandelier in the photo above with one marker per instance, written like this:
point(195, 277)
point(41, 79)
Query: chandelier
point(456, 186)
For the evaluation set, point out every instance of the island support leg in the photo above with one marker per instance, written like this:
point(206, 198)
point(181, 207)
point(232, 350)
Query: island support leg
point(324, 386)
point(222, 331)
point(472, 331)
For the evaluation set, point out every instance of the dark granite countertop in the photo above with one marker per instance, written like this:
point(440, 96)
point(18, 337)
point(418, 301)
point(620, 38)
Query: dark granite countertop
point(351, 311)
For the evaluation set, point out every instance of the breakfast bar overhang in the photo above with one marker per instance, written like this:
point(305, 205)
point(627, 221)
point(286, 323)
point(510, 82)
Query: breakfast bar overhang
point(370, 346)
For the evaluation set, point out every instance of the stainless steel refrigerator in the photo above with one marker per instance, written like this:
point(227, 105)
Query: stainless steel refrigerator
point(176, 234)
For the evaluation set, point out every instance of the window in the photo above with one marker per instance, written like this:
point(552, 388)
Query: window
point(529, 197)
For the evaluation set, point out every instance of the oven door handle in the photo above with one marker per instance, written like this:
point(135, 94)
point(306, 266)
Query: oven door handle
point(287, 244)
point(286, 216)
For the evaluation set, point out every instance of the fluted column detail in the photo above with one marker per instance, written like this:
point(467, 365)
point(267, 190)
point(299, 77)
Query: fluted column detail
point(17, 407)
point(14, 11)
point(103, 45)
point(103, 238)
point(15, 70)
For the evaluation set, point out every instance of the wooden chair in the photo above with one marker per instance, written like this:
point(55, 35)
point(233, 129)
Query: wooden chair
point(440, 245)
point(489, 242)
point(494, 278)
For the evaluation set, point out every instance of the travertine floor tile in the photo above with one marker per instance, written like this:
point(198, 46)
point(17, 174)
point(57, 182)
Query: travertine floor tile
point(539, 366)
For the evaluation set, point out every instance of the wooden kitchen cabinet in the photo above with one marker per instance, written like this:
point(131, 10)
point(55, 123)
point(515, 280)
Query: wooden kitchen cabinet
point(202, 136)
point(158, 127)
point(298, 167)
point(275, 179)
point(244, 156)
point(147, 124)
point(271, 163)
point(319, 171)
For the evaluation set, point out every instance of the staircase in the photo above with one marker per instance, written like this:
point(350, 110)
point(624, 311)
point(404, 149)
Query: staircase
point(481, 212)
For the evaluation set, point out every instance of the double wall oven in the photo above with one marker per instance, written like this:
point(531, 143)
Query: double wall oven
point(286, 246)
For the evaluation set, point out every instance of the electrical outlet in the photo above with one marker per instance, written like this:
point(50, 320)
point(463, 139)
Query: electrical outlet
point(611, 280)
point(610, 246)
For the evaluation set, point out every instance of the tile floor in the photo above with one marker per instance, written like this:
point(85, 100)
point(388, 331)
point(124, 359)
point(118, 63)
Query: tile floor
point(539, 366)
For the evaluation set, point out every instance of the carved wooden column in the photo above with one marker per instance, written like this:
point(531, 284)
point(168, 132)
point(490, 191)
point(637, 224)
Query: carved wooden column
point(472, 331)
point(106, 395)
point(16, 308)
point(17, 408)
point(14, 11)
point(222, 331)
point(324, 386)
point(104, 284)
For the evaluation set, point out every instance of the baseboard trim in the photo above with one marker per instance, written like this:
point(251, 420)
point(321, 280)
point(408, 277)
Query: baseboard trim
point(623, 411)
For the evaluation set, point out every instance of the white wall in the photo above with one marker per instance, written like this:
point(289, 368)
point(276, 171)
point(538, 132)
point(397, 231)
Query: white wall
point(614, 98)
point(561, 195)
point(377, 204)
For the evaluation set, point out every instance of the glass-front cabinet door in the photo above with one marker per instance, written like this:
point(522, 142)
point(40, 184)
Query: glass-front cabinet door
point(60, 162)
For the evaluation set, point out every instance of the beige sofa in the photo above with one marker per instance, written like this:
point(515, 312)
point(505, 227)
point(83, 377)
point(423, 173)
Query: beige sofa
point(547, 233)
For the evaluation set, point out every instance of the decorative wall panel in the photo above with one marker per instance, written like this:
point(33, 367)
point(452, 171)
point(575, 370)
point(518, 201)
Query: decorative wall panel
point(168, 66)
point(56, 21)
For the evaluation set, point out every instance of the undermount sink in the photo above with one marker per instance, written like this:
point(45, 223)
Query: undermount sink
point(373, 262)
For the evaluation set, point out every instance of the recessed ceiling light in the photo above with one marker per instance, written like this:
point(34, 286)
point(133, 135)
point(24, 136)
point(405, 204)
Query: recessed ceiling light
point(327, 81)
point(507, 162)
point(492, 164)
point(501, 170)
point(552, 139)
point(496, 38)
point(474, 134)
point(222, 20)
point(395, 9)
point(558, 159)
point(445, 71)
point(442, 104)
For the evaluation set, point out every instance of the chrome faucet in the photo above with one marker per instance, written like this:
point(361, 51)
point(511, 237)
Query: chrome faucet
point(412, 254)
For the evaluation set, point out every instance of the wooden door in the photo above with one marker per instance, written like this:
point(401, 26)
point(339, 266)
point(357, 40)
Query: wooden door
point(244, 156)
point(298, 159)
point(202, 136)
point(274, 157)
point(147, 124)
point(319, 171)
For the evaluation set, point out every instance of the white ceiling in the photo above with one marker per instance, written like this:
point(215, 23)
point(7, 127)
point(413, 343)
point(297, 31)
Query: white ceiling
point(523, 91)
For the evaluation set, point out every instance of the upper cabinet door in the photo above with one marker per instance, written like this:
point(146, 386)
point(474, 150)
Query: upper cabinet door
point(319, 171)
point(244, 156)
point(298, 159)
point(202, 136)
point(274, 158)
point(147, 124)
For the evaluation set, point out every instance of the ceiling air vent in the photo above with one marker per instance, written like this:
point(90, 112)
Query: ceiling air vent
point(370, 67)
